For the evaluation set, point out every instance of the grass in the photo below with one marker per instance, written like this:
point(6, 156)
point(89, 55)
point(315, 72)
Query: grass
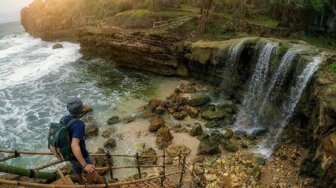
point(327, 42)
point(332, 68)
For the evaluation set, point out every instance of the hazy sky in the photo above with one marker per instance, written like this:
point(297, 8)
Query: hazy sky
point(10, 9)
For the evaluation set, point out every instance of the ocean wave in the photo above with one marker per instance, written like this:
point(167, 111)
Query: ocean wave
point(27, 59)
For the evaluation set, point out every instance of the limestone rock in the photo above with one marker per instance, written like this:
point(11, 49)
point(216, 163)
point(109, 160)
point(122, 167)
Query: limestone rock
point(196, 130)
point(198, 100)
point(156, 124)
point(259, 132)
point(213, 114)
point(193, 112)
point(110, 143)
point(151, 160)
point(174, 150)
point(180, 115)
point(228, 134)
point(189, 89)
point(108, 132)
point(113, 120)
point(129, 119)
point(229, 146)
point(91, 129)
point(207, 148)
point(160, 110)
point(163, 137)
point(57, 46)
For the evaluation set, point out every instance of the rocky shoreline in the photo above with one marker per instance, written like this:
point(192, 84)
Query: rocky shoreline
point(312, 125)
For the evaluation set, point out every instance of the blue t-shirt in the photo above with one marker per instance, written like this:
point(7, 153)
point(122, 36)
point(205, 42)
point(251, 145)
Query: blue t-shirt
point(77, 130)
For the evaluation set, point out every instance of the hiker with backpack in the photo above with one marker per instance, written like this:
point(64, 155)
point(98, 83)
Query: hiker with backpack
point(67, 142)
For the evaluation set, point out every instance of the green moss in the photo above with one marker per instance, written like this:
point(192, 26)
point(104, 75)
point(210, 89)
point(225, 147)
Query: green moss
point(332, 68)
point(283, 48)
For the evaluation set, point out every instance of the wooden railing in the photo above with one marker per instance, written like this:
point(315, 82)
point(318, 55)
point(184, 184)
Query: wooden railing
point(182, 166)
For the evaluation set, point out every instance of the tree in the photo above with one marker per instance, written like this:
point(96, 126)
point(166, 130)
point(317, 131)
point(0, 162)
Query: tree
point(205, 13)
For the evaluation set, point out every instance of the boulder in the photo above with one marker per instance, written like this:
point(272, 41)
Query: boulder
point(213, 114)
point(193, 112)
point(150, 158)
point(156, 124)
point(57, 46)
point(113, 120)
point(228, 134)
point(163, 137)
point(129, 119)
point(180, 115)
point(108, 132)
point(160, 110)
point(229, 146)
point(189, 89)
point(175, 149)
point(207, 148)
point(91, 130)
point(110, 143)
point(258, 132)
point(196, 130)
point(198, 100)
point(216, 137)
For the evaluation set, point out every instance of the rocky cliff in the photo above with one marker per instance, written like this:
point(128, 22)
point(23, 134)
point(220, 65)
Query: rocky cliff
point(313, 122)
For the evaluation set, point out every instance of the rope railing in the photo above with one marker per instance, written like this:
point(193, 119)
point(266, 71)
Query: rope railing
point(26, 152)
point(110, 167)
point(109, 185)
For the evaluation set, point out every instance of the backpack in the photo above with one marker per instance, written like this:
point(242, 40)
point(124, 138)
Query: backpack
point(59, 142)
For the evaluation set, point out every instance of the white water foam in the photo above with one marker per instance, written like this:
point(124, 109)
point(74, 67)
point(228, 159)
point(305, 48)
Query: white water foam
point(26, 59)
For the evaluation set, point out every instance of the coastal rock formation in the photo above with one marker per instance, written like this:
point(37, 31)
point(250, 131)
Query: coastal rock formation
point(228, 64)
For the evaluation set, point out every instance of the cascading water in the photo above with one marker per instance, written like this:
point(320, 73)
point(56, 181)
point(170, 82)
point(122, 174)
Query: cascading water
point(289, 105)
point(235, 52)
point(272, 97)
point(246, 117)
point(279, 77)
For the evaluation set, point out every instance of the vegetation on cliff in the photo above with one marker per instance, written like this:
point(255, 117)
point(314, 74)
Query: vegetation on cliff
point(313, 21)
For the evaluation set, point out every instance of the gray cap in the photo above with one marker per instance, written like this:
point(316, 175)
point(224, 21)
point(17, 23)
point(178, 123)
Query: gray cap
point(75, 106)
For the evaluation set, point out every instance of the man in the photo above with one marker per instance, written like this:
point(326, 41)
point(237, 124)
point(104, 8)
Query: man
point(77, 133)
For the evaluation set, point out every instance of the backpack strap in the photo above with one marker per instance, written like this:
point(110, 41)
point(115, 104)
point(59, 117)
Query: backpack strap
point(73, 120)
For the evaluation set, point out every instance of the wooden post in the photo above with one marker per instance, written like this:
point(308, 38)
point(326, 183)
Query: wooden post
point(163, 173)
point(138, 165)
point(110, 163)
point(182, 171)
point(60, 173)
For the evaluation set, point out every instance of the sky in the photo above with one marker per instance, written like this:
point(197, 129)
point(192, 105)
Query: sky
point(10, 9)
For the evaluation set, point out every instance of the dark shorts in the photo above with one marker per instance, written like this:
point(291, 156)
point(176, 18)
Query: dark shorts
point(77, 167)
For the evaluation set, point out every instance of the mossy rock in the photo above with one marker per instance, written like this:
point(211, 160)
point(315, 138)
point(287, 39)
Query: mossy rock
point(213, 115)
point(229, 146)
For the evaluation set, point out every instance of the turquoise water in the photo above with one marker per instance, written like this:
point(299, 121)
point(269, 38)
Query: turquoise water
point(36, 81)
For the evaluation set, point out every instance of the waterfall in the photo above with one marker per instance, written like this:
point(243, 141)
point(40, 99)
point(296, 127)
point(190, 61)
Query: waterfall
point(297, 90)
point(289, 105)
point(278, 77)
point(235, 52)
point(257, 84)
